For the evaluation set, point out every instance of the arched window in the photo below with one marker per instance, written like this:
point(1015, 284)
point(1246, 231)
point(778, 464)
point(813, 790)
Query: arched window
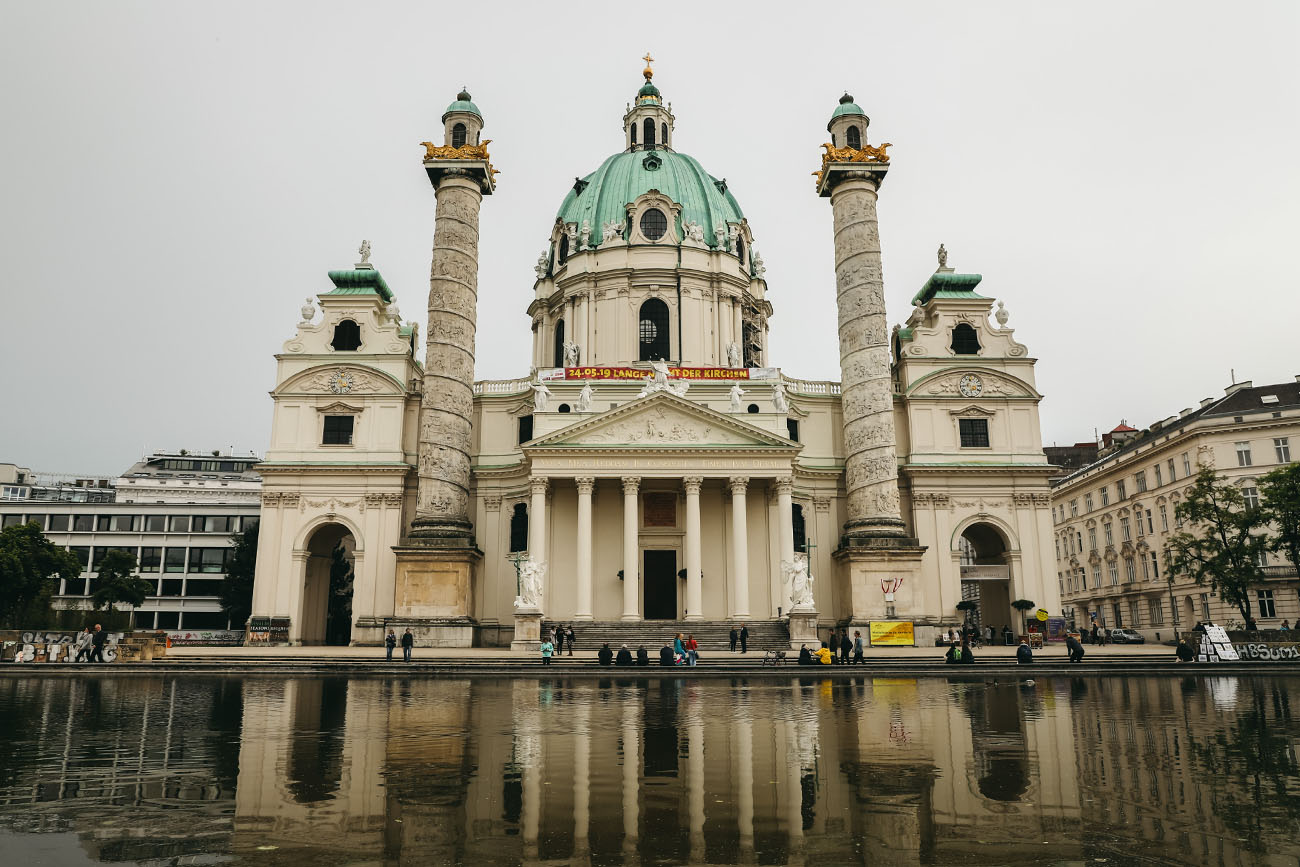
point(663, 134)
point(558, 356)
point(458, 135)
point(654, 224)
point(853, 138)
point(564, 248)
point(653, 330)
point(632, 129)
point(800, 529)
point(740, 249)
point(648, 133)
point(347, 336)
point(519, 528)
point(964, 340)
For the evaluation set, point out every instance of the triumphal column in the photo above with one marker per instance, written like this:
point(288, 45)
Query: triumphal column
point(433, 592)
point(875, 545)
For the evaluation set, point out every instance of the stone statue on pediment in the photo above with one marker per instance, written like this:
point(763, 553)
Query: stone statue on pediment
point(733, 354)
point(736, 394)
point(541, 394)
point(585, 397)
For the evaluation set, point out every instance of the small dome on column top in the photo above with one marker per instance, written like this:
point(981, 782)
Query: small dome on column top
point(462, 103)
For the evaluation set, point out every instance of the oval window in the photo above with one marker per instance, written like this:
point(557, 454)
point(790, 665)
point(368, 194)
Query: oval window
point(654, 224)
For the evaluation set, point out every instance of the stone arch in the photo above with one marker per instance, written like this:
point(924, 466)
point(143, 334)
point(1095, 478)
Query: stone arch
point(1009, 541)
point(324, 614)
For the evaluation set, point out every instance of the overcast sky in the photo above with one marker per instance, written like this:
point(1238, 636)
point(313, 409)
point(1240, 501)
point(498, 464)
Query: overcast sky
point(177, 177)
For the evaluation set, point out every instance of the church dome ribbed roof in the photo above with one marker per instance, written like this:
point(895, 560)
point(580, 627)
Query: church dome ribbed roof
point(621, 179)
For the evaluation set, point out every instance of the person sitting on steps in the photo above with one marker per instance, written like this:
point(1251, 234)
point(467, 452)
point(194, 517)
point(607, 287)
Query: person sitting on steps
point(605, 656)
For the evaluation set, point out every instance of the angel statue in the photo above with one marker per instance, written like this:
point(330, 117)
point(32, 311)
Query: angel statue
point(943, 257)
point(542, 262)
point(364, 250)
point(540, 395)
point(736, 394)
point(733, 354)
point(531, 573)
point(797, 574)
point(585, 397)
point(570, 354)
point(779, 403)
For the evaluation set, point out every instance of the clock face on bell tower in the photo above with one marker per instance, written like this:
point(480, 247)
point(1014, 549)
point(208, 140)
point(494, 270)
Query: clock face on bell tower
point(970, 386)
point(340, 382)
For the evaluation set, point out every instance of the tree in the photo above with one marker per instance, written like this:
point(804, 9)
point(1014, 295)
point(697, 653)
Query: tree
point(1280, 504)
point(237, 589)
point(28, 564)
point(117, 583)
point(1222, 549)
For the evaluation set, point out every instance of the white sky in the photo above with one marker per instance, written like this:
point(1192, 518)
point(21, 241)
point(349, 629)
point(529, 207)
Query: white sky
point(177, 177)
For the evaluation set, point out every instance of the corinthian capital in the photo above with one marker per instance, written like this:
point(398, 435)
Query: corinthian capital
point(692, 484)
point(585, 484)
point(631, 484)
point(539, 484)
point(738, 484)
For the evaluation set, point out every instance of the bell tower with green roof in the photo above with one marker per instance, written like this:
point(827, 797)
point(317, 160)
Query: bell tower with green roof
point(648, 122)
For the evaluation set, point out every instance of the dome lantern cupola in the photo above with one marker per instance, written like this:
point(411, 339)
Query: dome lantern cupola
point(848, 125)
point(648, 123)
point(462, 121)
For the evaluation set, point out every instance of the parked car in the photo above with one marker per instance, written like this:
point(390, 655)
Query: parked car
point(1126, 636)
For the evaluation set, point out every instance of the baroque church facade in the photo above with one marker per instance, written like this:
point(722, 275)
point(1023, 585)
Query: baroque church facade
point(655, 463)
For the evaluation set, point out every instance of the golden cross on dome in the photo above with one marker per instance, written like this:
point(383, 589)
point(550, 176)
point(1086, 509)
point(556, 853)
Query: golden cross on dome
point(648, 72)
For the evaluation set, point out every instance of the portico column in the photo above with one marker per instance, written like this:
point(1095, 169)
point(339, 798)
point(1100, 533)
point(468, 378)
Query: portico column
point(585, 486)
point(739, 550)
point(694, 594)
point(537, 519)
point(631, 552)
point(785, 525)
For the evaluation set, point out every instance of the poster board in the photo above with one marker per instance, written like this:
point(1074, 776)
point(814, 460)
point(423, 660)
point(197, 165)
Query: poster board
point(892, 633)
point(268, 631)
point(1216, 646)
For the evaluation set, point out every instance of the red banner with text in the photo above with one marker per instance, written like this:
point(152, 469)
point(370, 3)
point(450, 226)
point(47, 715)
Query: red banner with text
point(693, 373)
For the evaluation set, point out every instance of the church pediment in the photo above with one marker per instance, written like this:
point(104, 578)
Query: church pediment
point(970, 383)
point(340, 379)
point(662, 420)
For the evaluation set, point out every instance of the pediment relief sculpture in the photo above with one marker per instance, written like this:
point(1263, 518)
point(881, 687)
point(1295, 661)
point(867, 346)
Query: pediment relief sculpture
point(968, 384)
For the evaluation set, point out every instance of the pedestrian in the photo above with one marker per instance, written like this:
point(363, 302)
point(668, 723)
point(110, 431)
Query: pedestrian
point(83, 645)
point(857, 647)
point(846, 646)
point(1199, 627)
point(1285, 627)
point(1006, 635)
point(692, 649)
point(559, 640)
point(97, 641)
point(568, 635)
point(642, 657)
point(547, 649)
point(988, 635)
point(605, 656)
point(624, 656)
point(1024, 655)
point(1074, 647)
point(390, 642)
point(744, 638)
point(1251, 625)
point(679, 649)
point(735, 636)
point(408, 642)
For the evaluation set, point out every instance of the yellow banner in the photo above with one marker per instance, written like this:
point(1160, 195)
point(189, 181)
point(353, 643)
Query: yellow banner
point(892, 633)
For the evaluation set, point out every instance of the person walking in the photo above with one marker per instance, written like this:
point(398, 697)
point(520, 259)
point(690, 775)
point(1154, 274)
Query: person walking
point(568, 634)
point(735, 636)
point(744, 638)
point(857, 647)
point(1074, 647)
point(547, 649)
point(98, 639)
point(692, 649)
point(845, 647)
point(83, 645)
point(679, 649)
point(390, 642)
point(408, 642)
point(559, 640)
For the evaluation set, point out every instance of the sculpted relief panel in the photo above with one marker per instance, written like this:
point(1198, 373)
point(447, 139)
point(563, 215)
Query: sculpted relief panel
point(661, 427)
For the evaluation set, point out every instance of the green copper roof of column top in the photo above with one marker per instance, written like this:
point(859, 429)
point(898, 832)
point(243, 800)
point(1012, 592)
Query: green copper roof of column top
point(946, 284)
point(360, 281)
point(846, 106)
point(462, 103)
point(621, 179)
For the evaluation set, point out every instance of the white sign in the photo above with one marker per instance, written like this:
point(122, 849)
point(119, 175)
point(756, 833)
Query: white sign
point(1216, 646)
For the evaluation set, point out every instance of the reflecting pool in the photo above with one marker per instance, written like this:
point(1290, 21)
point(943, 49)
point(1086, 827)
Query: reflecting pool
point(493, 771)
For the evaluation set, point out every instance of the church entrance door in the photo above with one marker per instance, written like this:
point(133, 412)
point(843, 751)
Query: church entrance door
point(660, 584)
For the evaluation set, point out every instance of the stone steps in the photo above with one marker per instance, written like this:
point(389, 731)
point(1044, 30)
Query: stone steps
point(710, 635)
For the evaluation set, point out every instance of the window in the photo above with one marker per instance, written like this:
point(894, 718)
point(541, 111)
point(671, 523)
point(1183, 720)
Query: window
point(58, 523)
point(1164, 519)
point(965, 341)
point(740, 249)
point(564, 249)
point(648, 133)
point(1096, 575)
point(1130, 570)
point(150, 559)
point(1124, 529)
point(1243, 454)
point(525, 428)
point(1172, 475)
point(458, 135)
point(1261, 558)
point(1105, 495)
point(171, 587)
point(174, 561)
point(1074, 508)
point(663, 134)
point(155, 523)
point(1058, 548)
point(13, 492)
point(1121, 491)
point(1140, 481)
point(792, 428)
point(1266, 606)
point(974, 433)
point(1250, 494)
point(853, 138)
point(179, 523)
point(201, 587)
point(519, 528)
point(337, 430)
point(1157, 611)
point(1205, 606)
point(11, 520)
point(1187, 469)
point(1133, 612)
point(215, 524)
point(654, 330)
point(1151, 528)
point(1155, 566)
point(1079, 539)
point(1112, 571)
point(1087, 502)
point(654, 224)
point(1092, 538)
point(347, 336)
point(800, 528)
point(1060, 580)
point(1110, 536)
point(1283, 449)
point(83, 523)
point(1159, 476)
point(632, 130)
point(208, 559)
point(1146, 570)
point(557, 357)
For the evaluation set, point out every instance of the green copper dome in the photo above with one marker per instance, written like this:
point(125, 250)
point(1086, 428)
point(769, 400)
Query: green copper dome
point(602, 196)
point(846, 106)
point(648, 89)
point(462, 103)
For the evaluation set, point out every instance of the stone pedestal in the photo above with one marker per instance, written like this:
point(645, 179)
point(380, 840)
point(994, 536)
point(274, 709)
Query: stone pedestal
point(433, 593)
point(803, 628)
point(528, 630)
point(861, 569)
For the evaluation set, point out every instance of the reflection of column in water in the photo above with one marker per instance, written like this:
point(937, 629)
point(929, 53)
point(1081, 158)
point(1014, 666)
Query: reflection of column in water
point(581, 780)
point(528, 758)
point(695, 772)
point(631, 767)
point(744, 728)
point(806, 748)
